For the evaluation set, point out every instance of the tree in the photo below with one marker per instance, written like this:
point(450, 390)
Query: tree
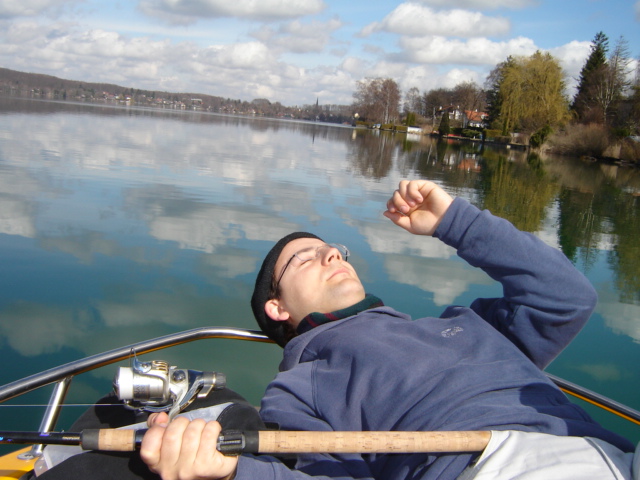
point(611, 81)
point(377, 100)
point(413, 101)
point(435, 100)
point(634, 104)
point(445, 127)
point(493, 86)
point(500, 90)
point(527, 94)
point(545, 104)
point(583, 102)
point(469, 96)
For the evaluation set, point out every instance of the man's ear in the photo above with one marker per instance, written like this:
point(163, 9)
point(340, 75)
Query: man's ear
point(275, 311)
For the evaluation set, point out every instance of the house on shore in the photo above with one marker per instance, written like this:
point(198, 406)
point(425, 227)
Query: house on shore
point(474, 119)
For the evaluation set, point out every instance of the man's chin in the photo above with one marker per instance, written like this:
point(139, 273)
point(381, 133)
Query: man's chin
point(348, 295)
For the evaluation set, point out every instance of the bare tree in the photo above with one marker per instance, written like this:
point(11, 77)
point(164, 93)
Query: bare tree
point(413, 101)
point(377, 100)
point(469, 96)
point(612, 80)
point(434, 101)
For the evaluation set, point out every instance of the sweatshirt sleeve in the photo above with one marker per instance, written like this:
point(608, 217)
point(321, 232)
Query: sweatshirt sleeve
point(269, 468)
point(546, 300)
point(289, 402)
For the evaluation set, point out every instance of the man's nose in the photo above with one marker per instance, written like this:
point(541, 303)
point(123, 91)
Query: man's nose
point(330, 254)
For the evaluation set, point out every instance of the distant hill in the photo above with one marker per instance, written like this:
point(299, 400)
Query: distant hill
point(13, 82)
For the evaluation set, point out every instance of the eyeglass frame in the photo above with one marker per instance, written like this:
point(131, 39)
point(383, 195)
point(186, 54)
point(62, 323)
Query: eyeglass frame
point(344, 252)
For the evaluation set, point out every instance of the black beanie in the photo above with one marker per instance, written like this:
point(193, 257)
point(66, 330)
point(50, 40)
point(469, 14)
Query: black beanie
point(274, 330)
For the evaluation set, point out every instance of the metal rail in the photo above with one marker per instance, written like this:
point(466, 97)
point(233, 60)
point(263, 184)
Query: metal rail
point(27, 384)
point(596, 399)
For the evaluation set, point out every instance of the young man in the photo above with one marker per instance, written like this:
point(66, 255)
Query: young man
point(351, 363)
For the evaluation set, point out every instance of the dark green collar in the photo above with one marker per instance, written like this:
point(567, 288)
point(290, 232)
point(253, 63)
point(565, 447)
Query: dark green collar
point(314, 319)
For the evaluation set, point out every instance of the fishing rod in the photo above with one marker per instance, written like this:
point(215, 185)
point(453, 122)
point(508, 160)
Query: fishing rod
point(235, 442)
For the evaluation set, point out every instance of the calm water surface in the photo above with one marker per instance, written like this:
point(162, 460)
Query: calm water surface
point(119, 225)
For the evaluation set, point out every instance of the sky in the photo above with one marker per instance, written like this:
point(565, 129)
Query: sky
point(297, 52)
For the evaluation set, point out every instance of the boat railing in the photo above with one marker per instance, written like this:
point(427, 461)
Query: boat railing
point(63, 375)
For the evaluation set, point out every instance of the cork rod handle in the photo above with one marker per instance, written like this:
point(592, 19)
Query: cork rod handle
point(270, 441)
point(371, 442)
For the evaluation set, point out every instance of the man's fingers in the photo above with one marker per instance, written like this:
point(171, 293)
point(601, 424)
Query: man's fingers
point(408, 195)
point(418, 206)
point(151, 445)
point(413, 194)
point(161, 419)
point(399, 202)
point(401, 220)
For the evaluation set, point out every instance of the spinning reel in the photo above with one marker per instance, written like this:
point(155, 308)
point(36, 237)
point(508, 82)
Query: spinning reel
point(155, 386)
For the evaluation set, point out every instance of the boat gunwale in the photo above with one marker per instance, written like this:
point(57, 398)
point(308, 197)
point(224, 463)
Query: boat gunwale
point(76, 367)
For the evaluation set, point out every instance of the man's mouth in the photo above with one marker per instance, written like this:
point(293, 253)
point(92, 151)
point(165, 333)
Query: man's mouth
point(338, 271)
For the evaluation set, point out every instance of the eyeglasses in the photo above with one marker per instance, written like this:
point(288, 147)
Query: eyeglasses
point(311, 253)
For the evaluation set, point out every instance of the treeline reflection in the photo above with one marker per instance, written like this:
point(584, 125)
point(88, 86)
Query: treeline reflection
point(596, 205)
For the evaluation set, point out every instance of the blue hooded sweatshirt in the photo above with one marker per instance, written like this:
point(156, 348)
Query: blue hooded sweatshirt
point(473, 368)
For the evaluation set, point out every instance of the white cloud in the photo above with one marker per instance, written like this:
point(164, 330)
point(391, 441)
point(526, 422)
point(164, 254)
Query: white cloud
point(481, 4)
point(56, 327)
point(608, 372)
point(572, 57)
point(243, 70)
point(416, 20)
point(475, 51)
point(86, 55)
point(619, 317)
point(16, 218)
point(29, 8)
point(293, 61)
point(299, 37)
point(249, 55)
point(189, 11)
point(422, 262)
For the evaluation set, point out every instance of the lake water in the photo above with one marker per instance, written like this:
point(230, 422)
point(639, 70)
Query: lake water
point(122, 224)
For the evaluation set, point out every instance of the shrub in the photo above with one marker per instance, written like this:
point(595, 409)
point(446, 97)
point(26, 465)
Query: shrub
point(581, 140)
point(492, 133)
point(411, 118)
point(539, 137)
point(470, 133)
point(445, 127)
point(502, 139)
point(630, 151)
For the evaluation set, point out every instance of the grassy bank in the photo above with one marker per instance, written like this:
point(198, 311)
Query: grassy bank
point(594, 141)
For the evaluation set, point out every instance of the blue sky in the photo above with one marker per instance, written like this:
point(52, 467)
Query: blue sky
point(297, 51)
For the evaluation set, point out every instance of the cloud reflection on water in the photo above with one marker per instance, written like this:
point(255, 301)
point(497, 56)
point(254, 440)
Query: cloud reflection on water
point(194, 202)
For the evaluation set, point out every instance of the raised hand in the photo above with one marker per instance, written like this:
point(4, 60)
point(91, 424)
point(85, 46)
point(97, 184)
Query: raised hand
point(418, 206)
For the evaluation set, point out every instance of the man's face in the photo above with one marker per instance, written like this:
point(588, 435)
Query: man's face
point(324, 284)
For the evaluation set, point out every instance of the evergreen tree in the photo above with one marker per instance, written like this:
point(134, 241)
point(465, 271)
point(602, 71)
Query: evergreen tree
point(583, 103)
point(445, 127)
